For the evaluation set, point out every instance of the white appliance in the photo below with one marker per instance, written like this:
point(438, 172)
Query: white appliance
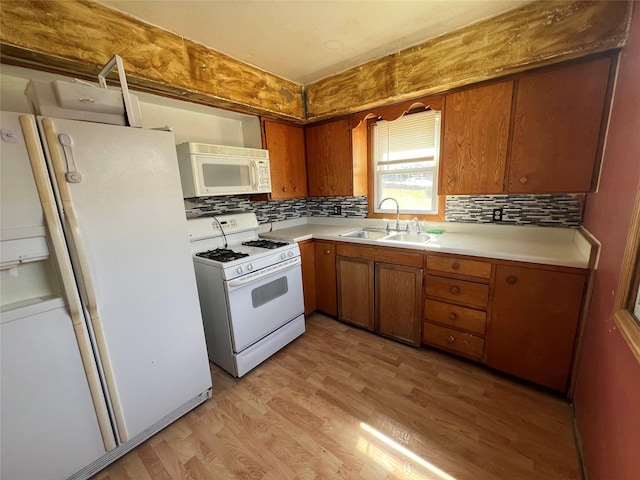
point(101, 337)
point(250, 290)
point(209, 170)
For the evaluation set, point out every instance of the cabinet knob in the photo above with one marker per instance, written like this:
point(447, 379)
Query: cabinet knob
point(284, 189)
point(451, 339)
point(295, 189)
point(327, 251)
point(454, 289)
point(523, 180)
point(455, 266)
point(511, 279)
point(452, 316)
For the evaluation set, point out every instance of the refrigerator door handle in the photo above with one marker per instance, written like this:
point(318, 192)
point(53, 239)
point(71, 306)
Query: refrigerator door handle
point(81, 255)
point(68, 281)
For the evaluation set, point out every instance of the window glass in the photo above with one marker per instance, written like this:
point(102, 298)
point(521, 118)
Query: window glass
point(406, 154)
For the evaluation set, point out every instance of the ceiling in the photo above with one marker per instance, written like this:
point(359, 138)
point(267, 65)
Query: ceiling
point(306, 40)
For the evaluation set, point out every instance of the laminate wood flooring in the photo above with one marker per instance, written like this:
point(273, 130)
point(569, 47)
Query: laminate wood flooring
point(342, 403)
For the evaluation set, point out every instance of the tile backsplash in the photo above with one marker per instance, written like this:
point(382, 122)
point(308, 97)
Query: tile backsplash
point(559, 210)
point(553, 210)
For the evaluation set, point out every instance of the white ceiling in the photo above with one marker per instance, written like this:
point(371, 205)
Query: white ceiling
point(306, 40)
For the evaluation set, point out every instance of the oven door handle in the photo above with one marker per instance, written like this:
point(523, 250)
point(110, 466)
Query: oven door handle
point(265, 272)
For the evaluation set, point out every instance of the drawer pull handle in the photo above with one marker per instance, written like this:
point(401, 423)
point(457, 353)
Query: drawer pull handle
point(451, 339)
point(452, 316)
point(454, 289)
point(511, 279)
point(455, 266)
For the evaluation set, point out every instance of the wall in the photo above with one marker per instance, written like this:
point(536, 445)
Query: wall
point(607, 395)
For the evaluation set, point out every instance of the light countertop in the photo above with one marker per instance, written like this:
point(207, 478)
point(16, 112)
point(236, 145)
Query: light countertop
point(568, 247)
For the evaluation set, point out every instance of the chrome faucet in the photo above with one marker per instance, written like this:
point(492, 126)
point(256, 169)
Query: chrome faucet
point(397, 211)
point(417, 222)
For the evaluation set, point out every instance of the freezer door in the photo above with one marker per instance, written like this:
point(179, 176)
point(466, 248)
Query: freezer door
point(119, 193)
point(49, 426)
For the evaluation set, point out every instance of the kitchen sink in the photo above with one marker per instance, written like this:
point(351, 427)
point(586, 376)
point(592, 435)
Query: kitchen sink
point(369, 234)
point(408, 238)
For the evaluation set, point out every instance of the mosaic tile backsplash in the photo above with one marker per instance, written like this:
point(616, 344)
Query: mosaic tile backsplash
point(554, 210)
point(560, 210)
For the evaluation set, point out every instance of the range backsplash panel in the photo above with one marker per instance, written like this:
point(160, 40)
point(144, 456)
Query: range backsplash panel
point(553, 210)
point(557, 210)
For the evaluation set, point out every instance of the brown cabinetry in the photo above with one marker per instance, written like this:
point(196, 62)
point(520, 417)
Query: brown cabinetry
point(325, 272)
point(287, 159)
point(557, 129)
point(380, 289)
point(336, 158)
point(557, 120)
point(476, 133)
point(534, 322)
point(307, 255)
point(355, 291)
point(456, 302)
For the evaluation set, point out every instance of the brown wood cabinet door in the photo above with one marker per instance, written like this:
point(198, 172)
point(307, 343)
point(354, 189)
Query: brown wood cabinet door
point(355, 291)
point(329, 160)
point(285, 143)
point(325, 266)
point(533, 324)
point(398, 302)
point(476, 133)
point(556, 134)
point(307, 254)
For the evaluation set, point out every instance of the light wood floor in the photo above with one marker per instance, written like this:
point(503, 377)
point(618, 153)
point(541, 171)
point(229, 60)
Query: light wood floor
point(341, 403)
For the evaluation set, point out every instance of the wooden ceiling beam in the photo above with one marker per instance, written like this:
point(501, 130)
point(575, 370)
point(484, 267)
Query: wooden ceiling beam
point(80, 36)
point(537, 34)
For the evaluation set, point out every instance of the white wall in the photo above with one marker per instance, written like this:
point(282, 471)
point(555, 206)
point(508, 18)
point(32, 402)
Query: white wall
point(190, 122)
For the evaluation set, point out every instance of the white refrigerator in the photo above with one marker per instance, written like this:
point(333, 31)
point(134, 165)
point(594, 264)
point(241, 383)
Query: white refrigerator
point(101, 337)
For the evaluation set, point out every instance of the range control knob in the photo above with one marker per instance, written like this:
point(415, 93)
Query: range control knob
point(249, 267)
point(239, 269)
point(283, 256)
point(290, 254)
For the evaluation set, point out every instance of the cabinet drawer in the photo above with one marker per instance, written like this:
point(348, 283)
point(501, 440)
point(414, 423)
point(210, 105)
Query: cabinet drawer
point(472, 268)
point(453, 340)
point(462, 318)
point(458, 291)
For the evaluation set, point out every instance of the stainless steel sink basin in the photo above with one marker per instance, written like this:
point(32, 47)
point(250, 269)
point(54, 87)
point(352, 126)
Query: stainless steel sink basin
point(409, 237)
point(368, 234)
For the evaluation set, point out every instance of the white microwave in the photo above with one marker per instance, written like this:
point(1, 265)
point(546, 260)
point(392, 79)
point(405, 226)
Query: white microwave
point(209, 170)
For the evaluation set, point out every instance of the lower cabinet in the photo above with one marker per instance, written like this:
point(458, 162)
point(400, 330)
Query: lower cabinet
point(380, 289)
point(398, 298)
point(456, 302)
point(325, 273)
point(307, 254)
point(534, 322)
point(356, 291)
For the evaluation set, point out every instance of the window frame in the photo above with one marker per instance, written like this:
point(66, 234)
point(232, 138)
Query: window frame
point(628, 285)
point(372, 171)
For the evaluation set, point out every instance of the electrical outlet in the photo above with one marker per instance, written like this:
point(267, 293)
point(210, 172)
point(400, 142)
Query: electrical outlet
point(497, 215)
point(337, 209)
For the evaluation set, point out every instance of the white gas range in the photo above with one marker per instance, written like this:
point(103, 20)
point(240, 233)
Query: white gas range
point(250, 290)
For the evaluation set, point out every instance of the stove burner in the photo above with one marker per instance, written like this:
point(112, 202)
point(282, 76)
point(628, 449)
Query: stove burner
point(265, 244)
point(221, 255)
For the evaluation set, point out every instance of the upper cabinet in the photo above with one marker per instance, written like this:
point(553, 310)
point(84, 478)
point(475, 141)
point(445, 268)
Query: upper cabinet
point(285, 143)
point(476, 134)
point(556, 133)
point(548, 139)
point(336, 158)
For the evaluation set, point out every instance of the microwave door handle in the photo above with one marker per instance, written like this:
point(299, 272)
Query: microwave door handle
point(254, 175)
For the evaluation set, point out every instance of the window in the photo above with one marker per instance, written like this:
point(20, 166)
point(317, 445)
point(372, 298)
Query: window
point(405, 163)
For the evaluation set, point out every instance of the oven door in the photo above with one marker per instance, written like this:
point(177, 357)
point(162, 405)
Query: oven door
point(260, 304)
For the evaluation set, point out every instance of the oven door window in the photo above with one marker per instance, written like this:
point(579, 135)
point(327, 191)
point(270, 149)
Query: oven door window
point(270, 291)
point(259, 307)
